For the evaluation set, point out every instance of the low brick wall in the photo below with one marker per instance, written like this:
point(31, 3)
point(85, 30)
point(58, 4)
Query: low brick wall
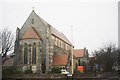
point(51, 77)
point(14, 76)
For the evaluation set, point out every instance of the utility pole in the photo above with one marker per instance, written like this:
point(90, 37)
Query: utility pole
point(72, 50)
point(118, 58)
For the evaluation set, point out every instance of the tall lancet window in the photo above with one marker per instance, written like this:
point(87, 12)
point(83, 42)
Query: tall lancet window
point(25, 53)
point(29, 53)
point(32, 21)
point(34, 54)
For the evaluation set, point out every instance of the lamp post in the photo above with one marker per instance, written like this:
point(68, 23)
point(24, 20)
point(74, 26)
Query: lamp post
point(72, 60)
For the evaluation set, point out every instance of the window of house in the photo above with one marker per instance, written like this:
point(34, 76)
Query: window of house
point(56, 41)
point(25, 53)
point(40, 48)
point(61, 44)
point(65, 46)
point(68, 47)
point(32, 21)
point(21, 52)
point(29, 48)
point(34, 54)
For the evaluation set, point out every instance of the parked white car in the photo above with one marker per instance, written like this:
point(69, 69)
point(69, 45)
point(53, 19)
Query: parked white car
point(116, 68)
point(63, 71)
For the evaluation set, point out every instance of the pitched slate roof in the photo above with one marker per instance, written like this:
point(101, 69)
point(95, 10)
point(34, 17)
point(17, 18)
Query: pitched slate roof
point(55, 31)
point(30, 34)
point(78, 53)
point(60, 59)
point(59, 35)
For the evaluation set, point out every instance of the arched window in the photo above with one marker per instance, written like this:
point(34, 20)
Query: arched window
point(25, 53)
point(32, 21)
point(34, 54)
point(40, 48)
point(29, 48)
point(21, 52)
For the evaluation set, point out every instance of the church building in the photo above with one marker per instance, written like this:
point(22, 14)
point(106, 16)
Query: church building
point(39, 46)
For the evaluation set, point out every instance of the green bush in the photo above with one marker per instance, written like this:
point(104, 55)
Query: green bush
point(27, 71)
point(11, 70)
point(18, 71)
point(56, 70)
point(8, 70)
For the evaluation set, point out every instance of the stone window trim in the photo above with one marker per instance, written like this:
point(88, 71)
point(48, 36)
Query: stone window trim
point(25, 53)
point(34, 51)
point(26, 59)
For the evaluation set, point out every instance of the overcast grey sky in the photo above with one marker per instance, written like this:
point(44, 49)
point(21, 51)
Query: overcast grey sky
point(94, 22)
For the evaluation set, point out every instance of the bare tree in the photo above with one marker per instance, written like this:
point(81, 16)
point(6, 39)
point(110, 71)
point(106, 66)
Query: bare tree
point(7, 39)
point(106, 56)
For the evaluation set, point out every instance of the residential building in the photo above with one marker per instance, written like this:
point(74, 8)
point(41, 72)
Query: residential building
point(81, 58)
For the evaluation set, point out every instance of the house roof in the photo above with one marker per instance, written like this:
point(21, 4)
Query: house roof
point(30, 33)
point(54, 30)
point(78, 53)
point(60, 59)
point(8, 62)
point(59, 35)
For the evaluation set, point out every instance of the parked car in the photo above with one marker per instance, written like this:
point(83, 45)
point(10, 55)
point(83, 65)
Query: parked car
point(63, 71)
point(116, 67)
